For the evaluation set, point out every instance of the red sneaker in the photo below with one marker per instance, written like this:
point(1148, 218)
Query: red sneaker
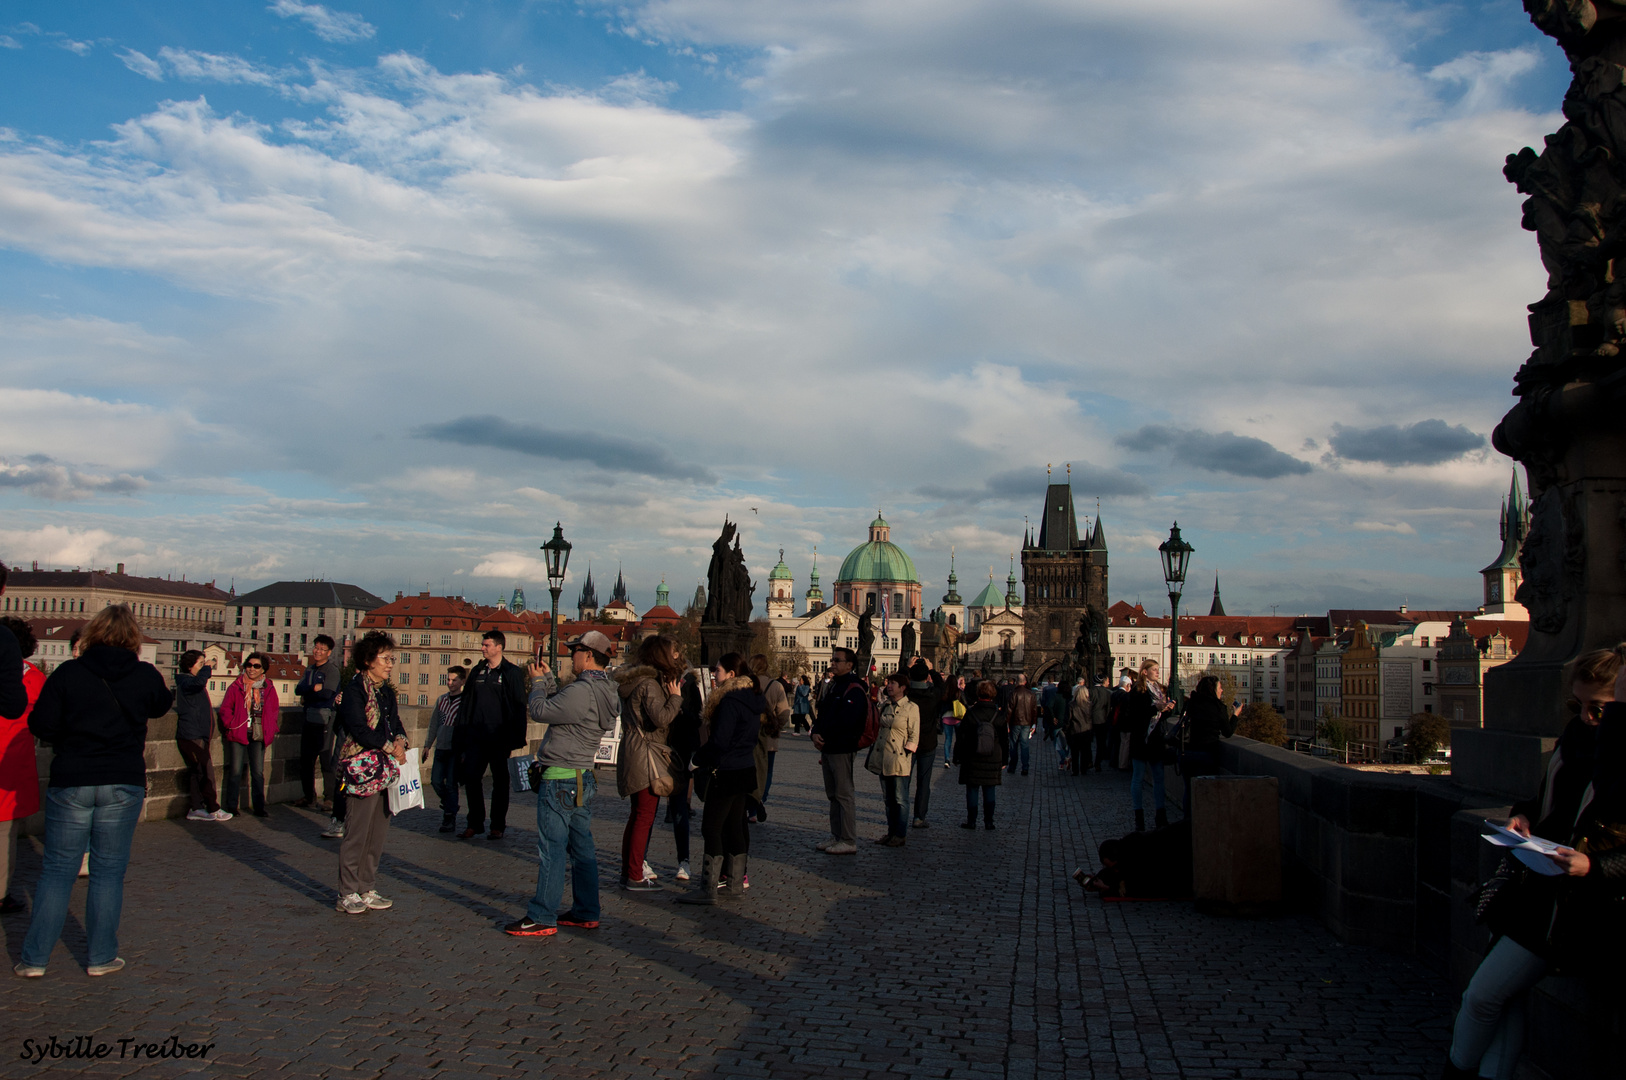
point(527, 928)
point(584, 924)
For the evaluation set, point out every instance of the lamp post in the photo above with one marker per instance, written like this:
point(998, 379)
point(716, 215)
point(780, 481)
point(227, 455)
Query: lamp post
point(1176, 555)
point(557, 553)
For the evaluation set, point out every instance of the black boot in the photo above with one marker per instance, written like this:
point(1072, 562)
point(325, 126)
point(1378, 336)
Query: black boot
point(1453, 1073)
point(988, 817)
point(1140, 821)
point(970, 821)
point(706, 892)
point(1162, 818)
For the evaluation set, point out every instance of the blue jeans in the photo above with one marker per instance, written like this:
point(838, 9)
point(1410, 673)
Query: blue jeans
point(1020, 737)
point(1490, 1025)
point(971, 791)
point(564, 832)
point(443, 779)
point(949, 731)
point(240, 756)
point(103, 819)
point(895, 792)
point(1137, 779)
point(1058, 738)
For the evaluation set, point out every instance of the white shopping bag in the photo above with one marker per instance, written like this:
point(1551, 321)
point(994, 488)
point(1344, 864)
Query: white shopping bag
point(609, 746)
point(407, 791)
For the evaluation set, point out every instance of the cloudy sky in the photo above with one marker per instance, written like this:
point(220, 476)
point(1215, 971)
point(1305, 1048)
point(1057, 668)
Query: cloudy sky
point(379, 291)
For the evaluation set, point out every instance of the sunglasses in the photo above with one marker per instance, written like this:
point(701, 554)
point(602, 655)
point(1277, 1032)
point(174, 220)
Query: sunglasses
point(253, 667)
point(1593, 709)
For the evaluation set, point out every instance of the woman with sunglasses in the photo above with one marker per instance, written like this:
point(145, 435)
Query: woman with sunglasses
point(248, 716)
point(1539, 921)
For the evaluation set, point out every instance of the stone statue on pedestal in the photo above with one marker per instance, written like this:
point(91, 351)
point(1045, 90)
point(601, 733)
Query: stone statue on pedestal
point(908, 644)
point(866, 640)
point(726, 624)
point(1565, 428)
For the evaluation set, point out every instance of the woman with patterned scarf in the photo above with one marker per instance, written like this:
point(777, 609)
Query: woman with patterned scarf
point(249, 715)
point(372, 748)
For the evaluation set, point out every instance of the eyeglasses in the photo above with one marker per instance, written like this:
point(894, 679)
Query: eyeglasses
point(1593, 709)
point(253, 667)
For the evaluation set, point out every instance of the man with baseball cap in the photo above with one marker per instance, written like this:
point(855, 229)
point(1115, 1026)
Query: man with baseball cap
point(577, 716)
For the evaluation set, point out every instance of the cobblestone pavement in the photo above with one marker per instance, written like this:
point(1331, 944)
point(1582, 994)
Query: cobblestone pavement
point(964, 954)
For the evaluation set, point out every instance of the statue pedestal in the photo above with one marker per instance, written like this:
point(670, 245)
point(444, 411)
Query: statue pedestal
point(719, 640)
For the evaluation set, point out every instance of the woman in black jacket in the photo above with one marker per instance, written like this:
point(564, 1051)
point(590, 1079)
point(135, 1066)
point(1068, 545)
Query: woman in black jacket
point(734, 711)
point(1206, 721)
point(1568, 922)
point(93, 711)
point(372, 747)
point(982, 764)
point(194, 725)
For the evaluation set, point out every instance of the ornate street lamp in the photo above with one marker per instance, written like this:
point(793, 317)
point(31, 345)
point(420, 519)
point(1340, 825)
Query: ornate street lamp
point(557, 553)
point(1176, 554)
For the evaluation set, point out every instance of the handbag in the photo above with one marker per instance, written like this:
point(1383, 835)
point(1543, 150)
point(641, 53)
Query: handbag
point(1498, 886)
point(368, 773)
point(406, 790)
point(1123, 750)
point(871, 761)
point(705, 770)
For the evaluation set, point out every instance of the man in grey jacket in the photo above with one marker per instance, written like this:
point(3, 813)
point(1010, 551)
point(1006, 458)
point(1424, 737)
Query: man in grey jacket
point(578, 716)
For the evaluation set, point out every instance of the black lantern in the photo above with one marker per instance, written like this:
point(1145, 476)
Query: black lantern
point(1176, 555)
point(557, 553)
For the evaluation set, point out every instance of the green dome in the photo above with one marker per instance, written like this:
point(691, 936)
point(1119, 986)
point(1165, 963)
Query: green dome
point(991, 596)
point(878, 560)
point(780, 572)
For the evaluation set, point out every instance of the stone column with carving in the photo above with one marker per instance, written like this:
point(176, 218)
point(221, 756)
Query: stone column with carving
point(1566, 428)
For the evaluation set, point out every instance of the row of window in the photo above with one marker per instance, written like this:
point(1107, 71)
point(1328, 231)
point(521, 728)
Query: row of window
point(288, 617)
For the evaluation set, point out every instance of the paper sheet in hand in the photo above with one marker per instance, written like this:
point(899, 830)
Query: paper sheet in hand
point(1532, 851)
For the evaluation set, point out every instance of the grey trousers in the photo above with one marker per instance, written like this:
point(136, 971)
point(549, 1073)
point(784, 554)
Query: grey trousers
point(838, 786)
point(365, 823)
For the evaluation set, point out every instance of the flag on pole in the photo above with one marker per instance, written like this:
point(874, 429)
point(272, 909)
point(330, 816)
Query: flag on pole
point(886, 606)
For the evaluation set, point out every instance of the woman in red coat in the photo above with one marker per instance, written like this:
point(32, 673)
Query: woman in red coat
point(249, 716)
point(19, 772)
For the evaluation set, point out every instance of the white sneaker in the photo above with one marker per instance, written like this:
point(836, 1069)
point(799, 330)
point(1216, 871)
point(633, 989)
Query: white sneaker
point(376, 902)
point(841, 847)
point(352, 904)
point(824, 845)
point(200, 815)
point(115, 964)
point(222, 815)
point(334, 831)
point(683, 871)
point(649, 873)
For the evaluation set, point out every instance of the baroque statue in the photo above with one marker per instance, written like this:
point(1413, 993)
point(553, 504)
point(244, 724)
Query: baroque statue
point(728, 602)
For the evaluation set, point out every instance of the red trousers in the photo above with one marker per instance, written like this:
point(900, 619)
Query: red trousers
point(635, 838)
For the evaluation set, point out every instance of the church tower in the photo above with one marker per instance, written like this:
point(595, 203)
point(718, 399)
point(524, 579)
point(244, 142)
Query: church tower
point(815, 595)
point(587, 605)
point(1216, 608)
point(953, 606)
point(1503, 577)
point(1063, 575)
point(781, 600)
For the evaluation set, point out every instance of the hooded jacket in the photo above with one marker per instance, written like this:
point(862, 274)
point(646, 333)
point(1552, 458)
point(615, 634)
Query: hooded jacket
point(647, 713)
point(93, 711)
point(734, 710)
point(578, 716)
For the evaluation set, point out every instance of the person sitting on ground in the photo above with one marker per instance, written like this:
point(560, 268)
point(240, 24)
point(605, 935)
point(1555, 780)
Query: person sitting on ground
point(1142, 865)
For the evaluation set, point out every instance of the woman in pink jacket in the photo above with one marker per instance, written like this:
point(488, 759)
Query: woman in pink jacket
point(248, 717)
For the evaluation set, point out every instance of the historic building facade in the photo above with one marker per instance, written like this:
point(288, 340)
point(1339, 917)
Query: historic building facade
point(1063, 575)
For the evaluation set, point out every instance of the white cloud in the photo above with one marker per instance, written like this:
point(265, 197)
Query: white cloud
point(1399, 527)
point(39, 475)
point(59, 546)
point(329, 25)
point(105, 434)
point(142, 64)
point(1486, 77)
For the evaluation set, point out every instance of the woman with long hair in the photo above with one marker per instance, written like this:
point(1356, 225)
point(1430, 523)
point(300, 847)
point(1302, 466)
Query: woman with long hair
point(733, 709)
point(93, 711)
point(372, 748)
point(1142, 711)
point(954, 706)
point(650, 700)
point(248, 716)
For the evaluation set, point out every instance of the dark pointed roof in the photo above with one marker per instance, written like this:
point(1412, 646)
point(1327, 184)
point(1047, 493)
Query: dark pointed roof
point(1058, 526)
point(619, 592)
point(1216, 608)
point(1515, 526)
point(1098, 536)
point(589, 598)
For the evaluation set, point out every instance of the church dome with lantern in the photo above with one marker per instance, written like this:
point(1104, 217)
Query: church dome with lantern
point(878, 571)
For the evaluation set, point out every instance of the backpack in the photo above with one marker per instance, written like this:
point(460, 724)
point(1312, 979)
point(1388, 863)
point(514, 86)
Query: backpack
point(987, 740)
point(872, 724)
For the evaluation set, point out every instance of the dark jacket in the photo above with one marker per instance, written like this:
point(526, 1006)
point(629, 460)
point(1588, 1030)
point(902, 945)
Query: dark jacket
point(472, 731)
point(1024, 707)
point(1207, 720)
point(194, 716)
point(734, 710)
point(684, 734)
point(929, 700)
point(982, 770)
point(312, 698)
point(1135, 713)
point(842, 709)
point(353, 715)
point(1588, 936)
point(13, 698)
point(93, 711)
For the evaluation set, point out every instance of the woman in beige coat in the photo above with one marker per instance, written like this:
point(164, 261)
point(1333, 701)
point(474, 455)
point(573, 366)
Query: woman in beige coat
point(892, 756)
point(650, 701)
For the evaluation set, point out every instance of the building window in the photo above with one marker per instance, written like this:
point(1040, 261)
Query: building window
point(423, 678)
point(1428, 665)
point(304, 616)
point(423, 699)
point(445, 639)
point(446, 661)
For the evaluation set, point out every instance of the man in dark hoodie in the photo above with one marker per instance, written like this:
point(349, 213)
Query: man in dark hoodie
point(926, 691)
point(93, 712)
point(837, 730)
point(490, 726)
point(194, 725)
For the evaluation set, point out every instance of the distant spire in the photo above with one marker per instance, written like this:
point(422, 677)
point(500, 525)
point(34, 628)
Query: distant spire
point(1216, 608)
